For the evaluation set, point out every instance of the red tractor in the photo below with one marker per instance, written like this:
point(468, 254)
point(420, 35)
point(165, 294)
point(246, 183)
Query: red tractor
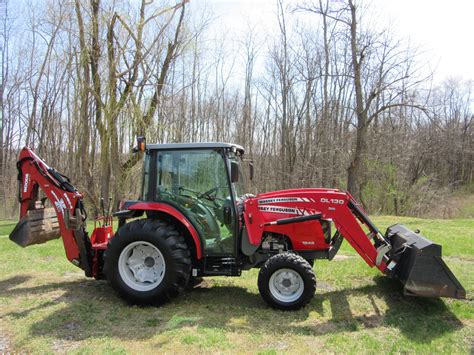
point(193, 219)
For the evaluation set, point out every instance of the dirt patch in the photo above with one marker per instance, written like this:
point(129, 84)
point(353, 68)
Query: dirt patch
point(278, 345)
point(372, 321)
point(4, 343)
point(73, 275)
point(63, 346)
point(202, 284)
point(72, 326)
point(343, 257)
point(325, 286)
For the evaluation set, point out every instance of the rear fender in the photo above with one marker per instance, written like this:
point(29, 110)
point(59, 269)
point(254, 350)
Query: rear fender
point(166, 209)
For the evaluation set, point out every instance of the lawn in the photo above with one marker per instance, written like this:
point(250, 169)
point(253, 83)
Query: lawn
point(47, 305)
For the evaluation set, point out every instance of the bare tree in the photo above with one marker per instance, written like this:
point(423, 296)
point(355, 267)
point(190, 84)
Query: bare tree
point(336, 104)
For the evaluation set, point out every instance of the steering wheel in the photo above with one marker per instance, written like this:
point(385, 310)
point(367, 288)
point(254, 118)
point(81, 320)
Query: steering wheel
point(201, 195)
point(208, 194)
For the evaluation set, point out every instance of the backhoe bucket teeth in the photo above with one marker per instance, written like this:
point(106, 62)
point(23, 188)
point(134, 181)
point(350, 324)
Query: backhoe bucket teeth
point(38, 226)
point(420, 267)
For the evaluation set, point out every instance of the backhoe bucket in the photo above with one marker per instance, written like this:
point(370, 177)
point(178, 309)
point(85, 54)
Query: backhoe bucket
point(38, 226)
point(420, 266)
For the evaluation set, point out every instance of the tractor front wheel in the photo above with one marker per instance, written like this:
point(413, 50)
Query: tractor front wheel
point(147, 262)
point(287, 281)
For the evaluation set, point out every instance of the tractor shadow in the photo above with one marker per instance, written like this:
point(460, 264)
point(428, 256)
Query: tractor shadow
point(79, 309)
point(418, 319)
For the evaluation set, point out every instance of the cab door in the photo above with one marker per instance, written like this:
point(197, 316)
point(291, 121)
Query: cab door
point(197, 183)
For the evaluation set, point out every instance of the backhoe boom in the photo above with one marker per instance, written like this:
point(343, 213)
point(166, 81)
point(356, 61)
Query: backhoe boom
point(66, 217)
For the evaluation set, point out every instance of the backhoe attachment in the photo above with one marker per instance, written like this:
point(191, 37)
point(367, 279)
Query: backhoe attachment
point(66, 218)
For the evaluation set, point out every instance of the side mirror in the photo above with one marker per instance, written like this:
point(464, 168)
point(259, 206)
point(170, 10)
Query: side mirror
point(141, 145)
point(234, 171)
point(251, 170)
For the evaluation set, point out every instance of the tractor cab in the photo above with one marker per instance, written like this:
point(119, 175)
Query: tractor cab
point(203, 181)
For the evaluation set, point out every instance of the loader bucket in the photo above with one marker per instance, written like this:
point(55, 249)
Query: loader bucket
point(38, 226)
point(420, 267)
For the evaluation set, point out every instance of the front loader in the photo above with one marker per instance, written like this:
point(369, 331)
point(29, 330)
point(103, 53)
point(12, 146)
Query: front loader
point(194, 219)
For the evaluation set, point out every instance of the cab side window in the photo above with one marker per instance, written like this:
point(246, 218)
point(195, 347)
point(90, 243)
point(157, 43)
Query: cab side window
point(196, 183)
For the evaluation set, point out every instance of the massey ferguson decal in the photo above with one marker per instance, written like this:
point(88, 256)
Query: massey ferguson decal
point(26, 182)
point(285, 210)
point(68, 200)
point(59, 203)
point(61, 206)
point(267, 201)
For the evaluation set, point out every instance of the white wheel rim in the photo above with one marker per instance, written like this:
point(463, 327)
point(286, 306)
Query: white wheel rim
point(141, 266)
point(286, 285)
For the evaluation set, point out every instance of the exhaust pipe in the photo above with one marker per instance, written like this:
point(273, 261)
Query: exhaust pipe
point(420, 267)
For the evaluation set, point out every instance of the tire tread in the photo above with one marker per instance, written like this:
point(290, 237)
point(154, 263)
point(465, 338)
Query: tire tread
point(295, 262)
point(148, 230)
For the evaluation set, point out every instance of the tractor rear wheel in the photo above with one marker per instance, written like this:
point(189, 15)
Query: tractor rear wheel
point(147, 262)
point(287, 281)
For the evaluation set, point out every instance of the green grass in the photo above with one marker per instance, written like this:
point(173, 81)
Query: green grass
point(47, 305)
point(6, 227)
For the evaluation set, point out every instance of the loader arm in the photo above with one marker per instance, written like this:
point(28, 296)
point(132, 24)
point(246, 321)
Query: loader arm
point(264, 212)
point(400, 253)
point(66, 217)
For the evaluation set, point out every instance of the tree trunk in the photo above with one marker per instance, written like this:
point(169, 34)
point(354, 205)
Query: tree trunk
point(357, 166)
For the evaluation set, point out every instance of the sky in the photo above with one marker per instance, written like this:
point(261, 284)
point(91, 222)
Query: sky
point(442, 30)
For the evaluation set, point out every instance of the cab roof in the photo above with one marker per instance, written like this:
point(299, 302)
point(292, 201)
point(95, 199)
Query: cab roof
point(204, 145)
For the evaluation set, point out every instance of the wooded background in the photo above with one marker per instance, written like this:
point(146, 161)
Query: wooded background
point(327, 101)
